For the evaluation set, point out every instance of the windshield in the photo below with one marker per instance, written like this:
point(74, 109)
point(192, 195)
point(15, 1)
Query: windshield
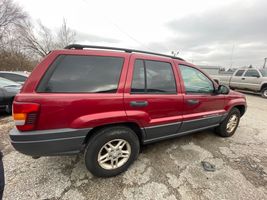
point(263, 72)
point(5, 82)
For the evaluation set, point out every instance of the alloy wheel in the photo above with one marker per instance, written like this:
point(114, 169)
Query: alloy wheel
point(114, 154)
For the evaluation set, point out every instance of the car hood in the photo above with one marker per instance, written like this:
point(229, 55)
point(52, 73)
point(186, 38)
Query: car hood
point(235, 93)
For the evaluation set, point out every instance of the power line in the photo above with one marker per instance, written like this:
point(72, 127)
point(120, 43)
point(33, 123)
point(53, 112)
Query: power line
point(130, 36)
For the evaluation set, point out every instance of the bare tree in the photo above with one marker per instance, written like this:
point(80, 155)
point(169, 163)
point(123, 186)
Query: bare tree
point(11, 16)
point(65, 35)
point(40, 40)
point(12, 57)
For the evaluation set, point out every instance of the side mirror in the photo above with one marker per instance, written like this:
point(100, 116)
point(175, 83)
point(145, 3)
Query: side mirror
point(223, 89)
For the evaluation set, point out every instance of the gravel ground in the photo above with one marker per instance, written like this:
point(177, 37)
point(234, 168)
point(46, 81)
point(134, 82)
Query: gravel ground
point(165, 170)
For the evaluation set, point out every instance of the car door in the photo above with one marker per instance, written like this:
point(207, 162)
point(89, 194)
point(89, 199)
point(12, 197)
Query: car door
point(202, 107)
point(236, 79)
point(251, 80)
point(152, 96)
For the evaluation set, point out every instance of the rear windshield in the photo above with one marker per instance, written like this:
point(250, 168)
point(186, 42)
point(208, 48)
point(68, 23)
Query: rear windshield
point(82, 74)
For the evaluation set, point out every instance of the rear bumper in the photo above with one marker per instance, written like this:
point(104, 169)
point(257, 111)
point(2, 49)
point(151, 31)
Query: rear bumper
point(48, 142)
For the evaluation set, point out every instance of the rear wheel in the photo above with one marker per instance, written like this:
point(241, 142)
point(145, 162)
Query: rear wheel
point(111, 151)
point(229, 125)
point(264, 92)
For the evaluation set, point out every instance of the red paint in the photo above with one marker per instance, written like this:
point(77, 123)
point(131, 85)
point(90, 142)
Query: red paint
point(91, 110)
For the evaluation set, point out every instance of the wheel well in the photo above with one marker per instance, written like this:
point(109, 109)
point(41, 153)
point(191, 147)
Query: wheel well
point(135, 127)
point(264, 86)
point(241, 108)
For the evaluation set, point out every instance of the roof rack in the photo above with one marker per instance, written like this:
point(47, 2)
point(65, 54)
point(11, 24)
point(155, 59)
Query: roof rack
point(79, 46)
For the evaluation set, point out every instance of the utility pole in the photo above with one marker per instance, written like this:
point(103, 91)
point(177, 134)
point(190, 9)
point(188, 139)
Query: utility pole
point(175, 53)
point(265, 59)
point(232, 54)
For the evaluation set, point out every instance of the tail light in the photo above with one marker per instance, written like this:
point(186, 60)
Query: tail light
point(25, 115)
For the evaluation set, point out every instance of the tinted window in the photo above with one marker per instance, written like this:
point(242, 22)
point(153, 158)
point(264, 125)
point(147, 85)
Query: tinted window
point(153, 77)
point(138, 83)
point(251, 73)
point(239, 72)
point(195, 81)
point(160, 78)
point(92, 74)
point(14, 77)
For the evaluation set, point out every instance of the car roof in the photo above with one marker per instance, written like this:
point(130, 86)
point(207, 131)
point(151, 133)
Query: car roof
point(93, 47)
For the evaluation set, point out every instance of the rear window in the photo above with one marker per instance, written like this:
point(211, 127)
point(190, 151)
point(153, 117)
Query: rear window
point(82, 74)
point(153, 77)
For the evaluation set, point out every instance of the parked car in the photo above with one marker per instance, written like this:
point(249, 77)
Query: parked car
point(251, 79)
point(18, 77)
point(8, 90)
point(107, 103)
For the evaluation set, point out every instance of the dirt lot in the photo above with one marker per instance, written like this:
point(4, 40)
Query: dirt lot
point(166, 170)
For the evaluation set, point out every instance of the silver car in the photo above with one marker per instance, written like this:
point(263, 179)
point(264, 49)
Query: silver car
point(8, 90)
point(18, 77)
point(250, 79)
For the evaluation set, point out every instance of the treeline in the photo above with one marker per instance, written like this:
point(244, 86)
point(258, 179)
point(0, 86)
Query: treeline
point(24, 42)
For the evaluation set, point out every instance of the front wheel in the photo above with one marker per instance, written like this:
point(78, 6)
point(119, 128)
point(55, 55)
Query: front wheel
point(264, 92)
point(229, 125)
point(111, 151)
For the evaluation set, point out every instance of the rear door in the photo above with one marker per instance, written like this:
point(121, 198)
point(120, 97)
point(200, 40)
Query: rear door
point(202, 107)
point(236, 79)
point(153, 97)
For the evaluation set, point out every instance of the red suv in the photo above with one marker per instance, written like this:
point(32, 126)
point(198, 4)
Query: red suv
point(106, 102)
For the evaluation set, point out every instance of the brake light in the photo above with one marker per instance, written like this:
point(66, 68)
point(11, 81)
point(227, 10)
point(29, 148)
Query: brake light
point(25, 115)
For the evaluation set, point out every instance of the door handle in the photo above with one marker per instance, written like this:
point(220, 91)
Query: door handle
point(192, 101)
point(243, 78)
point(138, 103)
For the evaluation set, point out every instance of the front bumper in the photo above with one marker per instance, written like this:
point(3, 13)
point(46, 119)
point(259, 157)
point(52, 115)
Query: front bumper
point(49, 142)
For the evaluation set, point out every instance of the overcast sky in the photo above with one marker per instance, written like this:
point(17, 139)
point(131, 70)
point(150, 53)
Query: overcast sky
point(214, 32)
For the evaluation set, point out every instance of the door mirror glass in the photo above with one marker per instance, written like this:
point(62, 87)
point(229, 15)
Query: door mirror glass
point(222, 89)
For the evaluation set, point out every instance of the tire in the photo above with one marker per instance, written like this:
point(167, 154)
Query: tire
point(264, 92)
point(103, 142)
point(222, 130)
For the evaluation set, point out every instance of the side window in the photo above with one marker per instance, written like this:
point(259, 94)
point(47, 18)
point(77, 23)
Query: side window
point(239, 73)
point(82, 74)
point(153, 77)
point(138, 83)
point(252, 73)
point(195, 81)
point(13, 77)
point(160, 77)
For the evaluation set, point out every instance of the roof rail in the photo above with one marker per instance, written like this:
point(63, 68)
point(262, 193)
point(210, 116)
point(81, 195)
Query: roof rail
point(79, 46)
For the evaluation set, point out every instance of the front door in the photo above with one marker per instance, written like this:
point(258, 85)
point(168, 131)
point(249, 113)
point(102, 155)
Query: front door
point(153, 97)
point(202, 107)
point(251, 80)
